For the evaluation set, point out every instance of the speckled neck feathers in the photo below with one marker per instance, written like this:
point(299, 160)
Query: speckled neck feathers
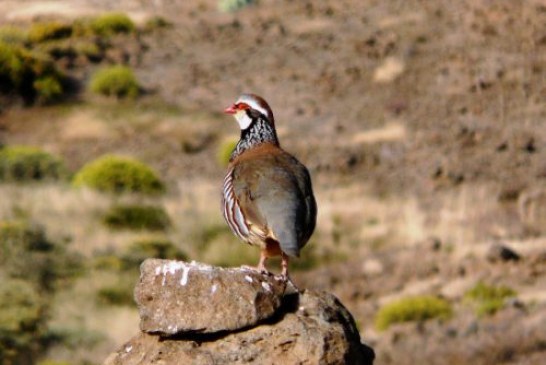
point(259, 131)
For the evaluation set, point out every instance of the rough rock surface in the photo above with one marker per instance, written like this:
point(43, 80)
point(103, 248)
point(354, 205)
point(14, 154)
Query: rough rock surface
point(175, 296)
point(305, 328)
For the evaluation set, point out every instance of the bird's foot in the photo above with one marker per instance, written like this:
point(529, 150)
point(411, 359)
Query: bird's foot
point(291, 287)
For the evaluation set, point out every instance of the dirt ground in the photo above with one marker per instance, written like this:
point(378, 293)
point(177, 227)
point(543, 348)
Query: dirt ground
point(423, 124)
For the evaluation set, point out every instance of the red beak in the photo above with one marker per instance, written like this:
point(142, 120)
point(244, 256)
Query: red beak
point(230, 109)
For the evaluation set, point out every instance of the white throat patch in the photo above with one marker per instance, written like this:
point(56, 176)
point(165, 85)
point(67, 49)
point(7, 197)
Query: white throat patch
point(243, 119)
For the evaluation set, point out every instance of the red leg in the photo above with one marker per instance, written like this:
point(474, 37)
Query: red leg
point(261, 263)
point(284, 265)
point(285, 275)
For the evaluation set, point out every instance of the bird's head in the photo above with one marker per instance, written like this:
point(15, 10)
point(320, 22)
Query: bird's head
point(249, 108)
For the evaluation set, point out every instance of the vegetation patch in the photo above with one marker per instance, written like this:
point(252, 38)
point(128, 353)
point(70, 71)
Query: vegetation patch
point(229, 253)
point(488, 299)
point(224, 151)
point(151, 247)
point(25, 245)
point(44, 31)
point(37, 63)
point(49, 89)
point(112, 23)
point(215, 244)
point(32, 268)
point(116, 174)
point(24, 163)
point(233, 5)
point(13, 35)
point(22, 72)
point(137, 217)
point(419, 308)
point(22, 320)
point(119, 81)
point(120, 293)
point(156, 22)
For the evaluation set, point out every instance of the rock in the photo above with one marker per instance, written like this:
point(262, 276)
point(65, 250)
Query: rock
point(310, 327)
point(373, 267)
point(500, 252)
point(532, 210)
point(433, 243)
point(456, 288)
point(175, 296)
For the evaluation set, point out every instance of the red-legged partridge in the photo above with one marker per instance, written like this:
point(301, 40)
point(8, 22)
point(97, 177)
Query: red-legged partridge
point(267, 199)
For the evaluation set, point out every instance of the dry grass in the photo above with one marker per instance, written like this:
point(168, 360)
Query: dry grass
point(101, 330)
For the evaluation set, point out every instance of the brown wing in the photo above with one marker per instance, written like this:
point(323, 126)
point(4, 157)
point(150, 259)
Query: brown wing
point(274, 192)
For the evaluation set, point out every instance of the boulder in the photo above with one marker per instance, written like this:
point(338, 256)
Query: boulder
point(193, 313)
point(500, 252)
point(175, 297)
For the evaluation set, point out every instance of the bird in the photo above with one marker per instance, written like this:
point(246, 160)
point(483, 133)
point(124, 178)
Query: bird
point(267, 196)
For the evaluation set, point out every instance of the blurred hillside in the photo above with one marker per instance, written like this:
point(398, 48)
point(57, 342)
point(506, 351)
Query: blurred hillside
point(422, 123)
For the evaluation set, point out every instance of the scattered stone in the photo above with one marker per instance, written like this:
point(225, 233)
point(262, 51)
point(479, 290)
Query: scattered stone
point(455, 289)
point(500, 252)
point(433, 243)
point(532, 209)
point(389, 70)
point(372, 267)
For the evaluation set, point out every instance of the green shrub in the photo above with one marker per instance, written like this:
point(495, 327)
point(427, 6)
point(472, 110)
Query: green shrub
point(311, 258)
point(81, 27)
point(48, 88)
point(40, 32)
point(13, 35)
point(218, 246)
point(21, 319)
point(57, 49)
point(20, 68)
point(108, 262)
point(156, 22)
point(12, 67)
point(230, 253)
point(112, 23)
point(488, 299)
point(24, 245)
point(120, 293)
point(225, 150)
point(137, 217)
point(19, 235)
point(117, 174)
point(24, 163)
point(151, 247)
point(233, 5)
point(89, 49)
point(117, 81)
point(72, 48)
point(73, 337)
point(411, 309)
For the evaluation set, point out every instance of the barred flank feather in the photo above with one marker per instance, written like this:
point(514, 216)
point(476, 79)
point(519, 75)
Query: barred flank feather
point(231, 210)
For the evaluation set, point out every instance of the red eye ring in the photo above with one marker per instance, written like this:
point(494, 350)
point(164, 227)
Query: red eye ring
point(236, 107)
